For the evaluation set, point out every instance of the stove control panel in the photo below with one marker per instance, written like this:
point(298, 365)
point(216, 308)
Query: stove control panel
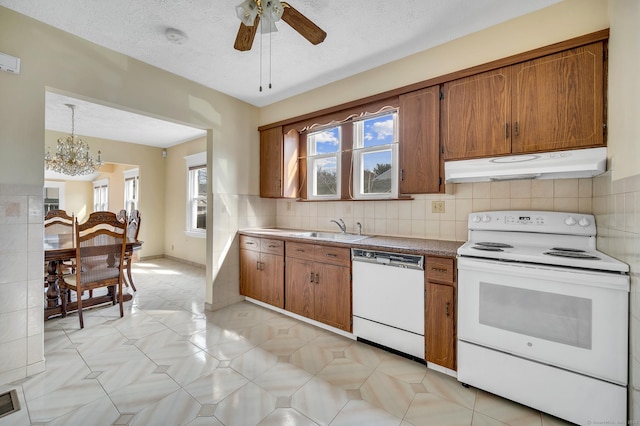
point(534, 221)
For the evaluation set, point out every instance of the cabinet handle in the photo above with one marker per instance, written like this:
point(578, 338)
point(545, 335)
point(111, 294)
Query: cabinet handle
point(447, 310)
point(331, 255)
point(311, 278)
point(401, 175)
point(506, 130)
point(272, 246)
point(258, 265)
point(317, 279)
point(515, 129)
point(300, 250)
point(439, 269)
point(249, 243)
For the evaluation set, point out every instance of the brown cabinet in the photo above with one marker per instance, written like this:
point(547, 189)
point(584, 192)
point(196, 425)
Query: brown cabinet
point(262, 269)
point(318, 283)
point(550, 103)
point(440, 315)
point(278, 163)
point(419, 116)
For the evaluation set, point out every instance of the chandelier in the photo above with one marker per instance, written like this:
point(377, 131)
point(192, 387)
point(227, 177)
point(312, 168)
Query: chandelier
point(72, 155)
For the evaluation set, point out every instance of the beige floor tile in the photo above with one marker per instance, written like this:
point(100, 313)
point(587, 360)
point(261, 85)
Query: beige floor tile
point(213, 388)
point(482, 420)
point(235, 409)
point(64, 400)
point(388, 393)
point(506, 411)
point(449, 388)
point(283, 379)
point(174, 409)
point(319, 401)
point(427, 409)
point(143, 393)
point(192, 367)
point(311, 358)
point(345, 373)
point(365, 354)
point(288, 417)
point(402, 369)
point(254, 362)
point(283, 344)
point(100, 411)
point(357, 413)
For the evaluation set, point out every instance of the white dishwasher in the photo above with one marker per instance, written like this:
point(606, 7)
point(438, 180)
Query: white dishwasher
point(388, 300)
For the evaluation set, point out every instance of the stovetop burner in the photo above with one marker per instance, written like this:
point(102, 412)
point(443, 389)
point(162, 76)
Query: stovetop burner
point(575, 254)
point(486, 248)
point(570, 250)
point(496, 245)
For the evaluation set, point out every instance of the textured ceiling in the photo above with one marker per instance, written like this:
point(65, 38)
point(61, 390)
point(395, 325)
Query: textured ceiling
point(361, 34)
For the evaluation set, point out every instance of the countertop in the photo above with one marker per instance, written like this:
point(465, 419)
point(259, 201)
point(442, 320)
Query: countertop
point(422, 246)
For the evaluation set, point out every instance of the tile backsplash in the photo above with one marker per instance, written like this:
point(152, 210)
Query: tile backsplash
point(21, 281)
point(415, 218)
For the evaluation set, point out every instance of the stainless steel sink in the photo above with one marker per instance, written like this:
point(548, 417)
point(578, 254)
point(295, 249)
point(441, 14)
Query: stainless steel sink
point(329, 236)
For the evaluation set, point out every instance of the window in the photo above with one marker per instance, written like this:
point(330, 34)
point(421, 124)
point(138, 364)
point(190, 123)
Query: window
point(53, 196)
point(131, 190)
point(323, 164)
point(375, 156)
point(197, 195)
point(101, 195)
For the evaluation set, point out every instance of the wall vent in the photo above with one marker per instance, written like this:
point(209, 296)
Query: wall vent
point(9, 403)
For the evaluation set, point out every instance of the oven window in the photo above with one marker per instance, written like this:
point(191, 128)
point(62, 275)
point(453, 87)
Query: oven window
point(549, 316)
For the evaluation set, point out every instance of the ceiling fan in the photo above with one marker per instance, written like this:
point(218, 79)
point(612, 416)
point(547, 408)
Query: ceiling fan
point(251, 12)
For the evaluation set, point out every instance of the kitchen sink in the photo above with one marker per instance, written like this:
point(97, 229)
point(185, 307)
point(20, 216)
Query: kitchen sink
point(330, 236)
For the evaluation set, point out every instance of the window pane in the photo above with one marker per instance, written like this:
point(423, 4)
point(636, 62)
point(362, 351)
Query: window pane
point(377, 172)
point(326, 173)
point(202, 182)
point(378, 130)
point(325, 142)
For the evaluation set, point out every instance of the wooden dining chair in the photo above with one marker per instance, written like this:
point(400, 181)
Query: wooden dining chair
point(100, 247)
point(57, 223)
point(133, 227)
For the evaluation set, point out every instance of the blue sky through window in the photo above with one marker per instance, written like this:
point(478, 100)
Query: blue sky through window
point(327, 141)
point(378, 131)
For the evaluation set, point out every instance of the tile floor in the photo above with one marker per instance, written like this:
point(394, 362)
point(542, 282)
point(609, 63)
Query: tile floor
point(168, 362)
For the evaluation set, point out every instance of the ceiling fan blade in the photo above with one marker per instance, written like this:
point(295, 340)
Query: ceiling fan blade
point(302, 25)
point(245, 36)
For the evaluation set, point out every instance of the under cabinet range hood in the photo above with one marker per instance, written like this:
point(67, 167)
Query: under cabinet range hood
point(577, 163)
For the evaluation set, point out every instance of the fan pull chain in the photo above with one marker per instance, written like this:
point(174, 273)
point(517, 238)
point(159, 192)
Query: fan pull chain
point(269, 58)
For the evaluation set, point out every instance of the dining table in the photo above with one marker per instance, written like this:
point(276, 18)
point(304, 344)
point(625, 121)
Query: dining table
point(59, 248)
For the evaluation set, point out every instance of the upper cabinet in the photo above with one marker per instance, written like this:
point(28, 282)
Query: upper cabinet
point(558, 102)
point(550, 103)
point(278, 163)
point(419, 116)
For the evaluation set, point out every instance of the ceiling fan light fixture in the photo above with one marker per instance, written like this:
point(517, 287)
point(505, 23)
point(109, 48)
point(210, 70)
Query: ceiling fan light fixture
point(272, 10)
point(247, 12)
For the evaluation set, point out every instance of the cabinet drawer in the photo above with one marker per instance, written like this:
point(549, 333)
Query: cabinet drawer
point(440, 269)
point(268, 245)
point(249, 243)
point(334, 255)
point(300, 250)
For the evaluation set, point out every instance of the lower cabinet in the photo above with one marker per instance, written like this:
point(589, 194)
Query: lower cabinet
point(318, 283)
point(440, 315)
point(262, 269)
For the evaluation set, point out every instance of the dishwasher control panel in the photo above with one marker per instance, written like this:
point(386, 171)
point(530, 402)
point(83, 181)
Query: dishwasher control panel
point(399, 260)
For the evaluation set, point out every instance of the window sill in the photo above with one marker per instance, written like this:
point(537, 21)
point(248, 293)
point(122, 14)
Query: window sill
point(195, 234)
point(302, 200)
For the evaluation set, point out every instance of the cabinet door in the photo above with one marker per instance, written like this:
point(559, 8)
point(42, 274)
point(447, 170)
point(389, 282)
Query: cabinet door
point(250, 273)
point(300, 287)
point(271, 162)
point(558, 101)
point(333, 296)
point(272, 280)
point(440, 336)
point(476, 112)
point(420, 141)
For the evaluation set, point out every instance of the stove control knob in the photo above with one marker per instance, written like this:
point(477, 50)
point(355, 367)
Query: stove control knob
point(476, 219)
point(486, 218)
point(584, 222)
point(570, 221)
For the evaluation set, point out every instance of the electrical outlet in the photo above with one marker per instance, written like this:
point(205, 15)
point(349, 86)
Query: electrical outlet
point(437, 206)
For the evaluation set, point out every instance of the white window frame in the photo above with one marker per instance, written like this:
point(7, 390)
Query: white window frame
point(359, 151)
point(194, 162)
point(314, 159)
point(133, 199)
point(101, 189)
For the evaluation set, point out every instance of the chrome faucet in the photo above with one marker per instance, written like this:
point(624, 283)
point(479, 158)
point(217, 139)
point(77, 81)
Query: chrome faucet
point(340, 224)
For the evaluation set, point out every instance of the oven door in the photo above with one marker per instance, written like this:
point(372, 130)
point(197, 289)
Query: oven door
point(573, 319)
